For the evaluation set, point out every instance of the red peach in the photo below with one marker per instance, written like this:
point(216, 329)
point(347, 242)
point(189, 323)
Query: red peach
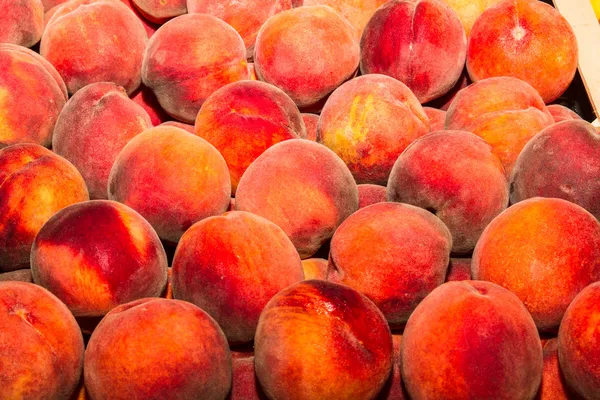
point(437, 118)
point(146, 99)
point(21, 22)
point(371, 194)
point(562, 113)
point(553, 385)
point(310, 123)
point(459, 270)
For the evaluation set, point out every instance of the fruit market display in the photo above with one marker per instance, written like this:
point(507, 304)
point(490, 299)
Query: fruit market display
point(296, 199)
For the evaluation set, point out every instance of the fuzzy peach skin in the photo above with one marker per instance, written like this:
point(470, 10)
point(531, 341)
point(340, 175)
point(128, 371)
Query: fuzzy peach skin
point(245, 385)
point(21, 22)
point(458, 177)
point(444, 102)
point(97, 255)
point(245, 118)
point(579, 343)
point(41, 356)
point(95, 41)
point(437, 118)
point(180, 125)
point(160, 11)
point(310, 123)
point(320, 340)
point(368, 122)
point(471, 340)
point(371, 194)
point(314, 268)
point(21, 275)
point(561, 113)
point(34, 184)
point(553, 385)
point(544, 250)
point(505, 112)
point(231, 266)
point(459, 270)
point(394, 388)
point(189, 58)
point(469, 10)
point(526, 39)
point(172, 178)
point(154, 349)
point(288, 44)
point(32, 95)
point(561, 161)
point(93, 127)
point(146, 99)
point(303, 187)
point(379, 251)
point(419, 42)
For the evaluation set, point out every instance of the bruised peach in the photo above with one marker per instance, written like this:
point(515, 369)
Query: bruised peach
point(315, 268)
point(471, 340)
point(146, 99)
point(368, 122)
point(97, 255)
point(21, 22)
point(419, 42)
point(310, 123)
point(513, 38)
point(172, 178)
point(371, 194)
point(34, 184)
point(469, 10)
point(303, 187)
point(543, 250)
point(245, 385)
point(562, 113)
point(553, 385)
point(437, 118)
point(245, 118)
point(160, 11)
point(459, 270)
point(314, 331)
point(189, 58)
point(170, 349)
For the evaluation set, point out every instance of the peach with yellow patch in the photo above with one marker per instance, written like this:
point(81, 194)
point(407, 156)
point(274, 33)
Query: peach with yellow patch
point(315, 268)
point(469, 10)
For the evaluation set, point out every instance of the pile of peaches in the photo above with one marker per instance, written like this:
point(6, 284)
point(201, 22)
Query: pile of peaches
point(283, 199)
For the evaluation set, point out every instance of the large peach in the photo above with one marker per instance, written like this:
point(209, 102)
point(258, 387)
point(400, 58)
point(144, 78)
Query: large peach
point(21, 22)
point(543, 250)
point(320, 340)
point(469, 10)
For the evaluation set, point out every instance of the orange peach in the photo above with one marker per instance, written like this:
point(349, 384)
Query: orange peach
point(437, 118)
point(310, 123)
point(553, 385)
point(160, 11)
point(180, 125)
point(252, 72)
point(315, 268)
point(371, 194)
point(469, 10)
point(561, 113)
point(21, 22)
point(459, 270)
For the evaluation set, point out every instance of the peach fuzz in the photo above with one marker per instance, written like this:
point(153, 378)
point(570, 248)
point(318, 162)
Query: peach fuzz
point(421, 43)
point(32, 94)
point(93, 127)
point(471, 340)
point(160, 11)
point(469, 10)
point(394, 388)
point(377, 252)
point(505, 112)
point(245, 385)
point(97, 255)
point(457, 176)
point(146, 99)
point(371, 194)
point(543, 250)
point(314, 331)
point(245, 118)
point(368, 122)
point(437, 118)
point(310, 123)
point(562, 113)
point(95, 41)
point(189, 58)
point(303, 187)
point(231, 266)
point(459, 270)
point(34, 184)
point(512, 38)
point(315, 268)
point(42, 347)
point(21, 22)
point(553, 385)
point(579, 343)
point(170, 349)
point(292, 38)
point(562, 161)
point(172, 178)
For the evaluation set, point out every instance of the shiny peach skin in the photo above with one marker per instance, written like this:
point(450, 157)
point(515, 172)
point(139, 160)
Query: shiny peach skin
point(21, 22)
point(371, 194)
point(315, 268)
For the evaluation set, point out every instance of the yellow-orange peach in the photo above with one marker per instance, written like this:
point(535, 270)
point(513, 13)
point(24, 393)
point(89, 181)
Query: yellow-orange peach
point(315, 268)
point(469, 10)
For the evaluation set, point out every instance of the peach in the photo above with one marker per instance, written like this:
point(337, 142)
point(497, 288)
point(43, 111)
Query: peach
point(293, 38)
point(310, 123)
point(553, 382)
point(48, 4)
point(168, 290)
point(160, 11)
point(172, 178)
point(42, 347)
point(93, 127)
point(245, 385)
point(320, 340)
point(377, 251)
point(21, 275)
point(543, 250)
point(149, 26)
point(458, 177)
point(180, 125)
point(512, 38)
point(21, 22)
point(368, 122)
point(469, 10)
point(579, 343)
point(444, 102)
point(245, 118)
point(421, 43)
point(471, 340)
point(303, 187)
point(371, 194)
point(157, 349)
point(32, 95)
point(146, 99)
point(231, 266)
point(252, 72)
point(189, 58)
point(459, 270)
point(437, 118)
point(394, 388)
point(561, 113)
point(97, 255)
point(315, 268)
point(505, 112)
point(34, 184)
point(95, 41)
point(561, 161)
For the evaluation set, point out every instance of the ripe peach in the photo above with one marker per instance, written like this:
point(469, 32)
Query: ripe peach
point(318, 340)
point(469, 10)
point(512, 38)
point(371, 194)
point(437, 118)
point(172, 178)
point(245, 385)
point(149, 26)
point(21, 22)
point(315, 268)
point(553, 382)
point(562, 113)
point(97, 255)
point(180, 125)
point(160, 11)
point(368, 122)
point(459, 270)
point(48, 4)
point(421, 43)
point(443, 102)
point(543, 250)
point(471, 340)
point(310, 123)
point(157, 349)
point(303, 187)
point(146, 99)
point(394, 388)
point(252, 72)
